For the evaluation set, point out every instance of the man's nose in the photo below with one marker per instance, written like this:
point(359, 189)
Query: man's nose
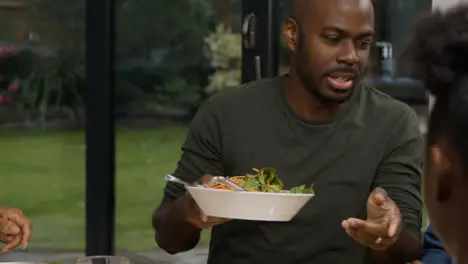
point(348, 54)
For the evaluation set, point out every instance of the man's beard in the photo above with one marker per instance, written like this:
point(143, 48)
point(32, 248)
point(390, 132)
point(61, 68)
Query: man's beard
point(308, 82)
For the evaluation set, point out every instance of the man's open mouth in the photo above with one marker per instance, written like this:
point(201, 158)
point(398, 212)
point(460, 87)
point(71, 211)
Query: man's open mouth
point(341, 80)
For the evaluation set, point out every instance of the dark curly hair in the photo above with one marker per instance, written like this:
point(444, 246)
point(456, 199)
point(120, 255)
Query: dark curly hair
point(438, 56)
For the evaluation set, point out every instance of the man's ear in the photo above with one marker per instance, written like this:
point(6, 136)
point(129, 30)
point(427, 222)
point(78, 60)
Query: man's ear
point(290, 34)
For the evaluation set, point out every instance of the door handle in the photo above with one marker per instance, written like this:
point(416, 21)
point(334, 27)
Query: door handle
point(249, 31)
point(258, 68)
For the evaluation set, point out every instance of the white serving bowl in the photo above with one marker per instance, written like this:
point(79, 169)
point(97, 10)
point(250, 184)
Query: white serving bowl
point(259, 206)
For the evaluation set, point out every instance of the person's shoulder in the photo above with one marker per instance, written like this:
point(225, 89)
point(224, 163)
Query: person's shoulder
point(391, 116)
point(237, 100)
point(389, 108)
point(244, 93)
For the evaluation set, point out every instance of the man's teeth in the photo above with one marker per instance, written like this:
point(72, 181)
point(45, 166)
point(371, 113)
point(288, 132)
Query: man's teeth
point(342, 79)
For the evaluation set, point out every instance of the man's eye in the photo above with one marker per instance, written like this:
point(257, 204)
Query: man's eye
point(332, 39)
point(364, 44)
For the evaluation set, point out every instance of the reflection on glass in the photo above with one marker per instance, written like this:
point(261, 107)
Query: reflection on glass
point(41, 136)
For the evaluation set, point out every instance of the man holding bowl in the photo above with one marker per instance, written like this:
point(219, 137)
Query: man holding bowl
point(318, 124)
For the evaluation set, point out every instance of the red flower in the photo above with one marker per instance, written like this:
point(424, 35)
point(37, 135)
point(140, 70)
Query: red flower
point(2, 99)
point(14, 86)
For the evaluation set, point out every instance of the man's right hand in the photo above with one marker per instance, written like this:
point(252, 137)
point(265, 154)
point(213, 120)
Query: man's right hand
point(194, 215)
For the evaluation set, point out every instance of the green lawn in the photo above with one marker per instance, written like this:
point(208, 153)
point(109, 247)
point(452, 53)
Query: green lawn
point(44, 174)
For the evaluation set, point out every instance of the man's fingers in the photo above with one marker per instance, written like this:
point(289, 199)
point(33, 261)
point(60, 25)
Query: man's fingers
point(370, 227)
point(382, 225)
point(378, 204)
point(375, 229)
point(205, 179)
point(356, 229)
point(12, 244)
point(197, 217)
point(378, 196)
point(393, 226)
point(353, 223)
point(212, 219)
point(351, 232)
point(360, 236)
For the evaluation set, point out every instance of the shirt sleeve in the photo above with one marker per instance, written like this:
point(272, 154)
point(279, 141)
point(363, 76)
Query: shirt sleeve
point(201, 152)
point(399, 173)
point(433, 251)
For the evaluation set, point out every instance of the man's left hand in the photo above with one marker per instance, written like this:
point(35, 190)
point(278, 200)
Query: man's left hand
point(383, 224)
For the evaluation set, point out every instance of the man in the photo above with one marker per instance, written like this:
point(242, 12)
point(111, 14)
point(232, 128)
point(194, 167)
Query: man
point(433, 251)
point(15, 228)
point(360, 148)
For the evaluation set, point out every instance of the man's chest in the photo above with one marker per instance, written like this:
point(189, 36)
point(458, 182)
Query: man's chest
point(331, 159)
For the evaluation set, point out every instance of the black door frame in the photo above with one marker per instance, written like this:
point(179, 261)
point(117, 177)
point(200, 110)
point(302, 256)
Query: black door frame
point(100, 128)
point(260, 47)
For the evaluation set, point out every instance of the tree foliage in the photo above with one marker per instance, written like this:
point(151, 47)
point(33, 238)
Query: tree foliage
point(159, 44)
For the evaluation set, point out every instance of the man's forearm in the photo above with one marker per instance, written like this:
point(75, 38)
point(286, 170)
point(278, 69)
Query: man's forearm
point(172, 233)
point(407, 248)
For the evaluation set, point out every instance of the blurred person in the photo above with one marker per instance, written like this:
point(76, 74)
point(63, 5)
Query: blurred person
point(15, 228)
point(433, 250)
point(438, 57)
point(361, 149)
